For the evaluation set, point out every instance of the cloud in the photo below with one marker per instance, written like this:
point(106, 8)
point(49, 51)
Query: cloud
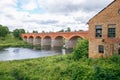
point(49, 15)
point(60, 6)
point(31, 5)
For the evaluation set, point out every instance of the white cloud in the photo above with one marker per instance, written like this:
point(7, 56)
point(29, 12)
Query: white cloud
point(60, 6)
point(30, 5)
point(56, 14)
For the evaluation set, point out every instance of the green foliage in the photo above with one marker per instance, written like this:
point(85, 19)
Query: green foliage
point(35, 31)
point(81, 49)
point(17, 33)
point(62, 30)
point(61, 67)
point(115, 58)
point(10, 41)
point(68, 29)
point(3, 31)
point(109, 73)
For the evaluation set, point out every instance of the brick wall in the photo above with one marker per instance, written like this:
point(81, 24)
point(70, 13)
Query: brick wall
point(108, 15)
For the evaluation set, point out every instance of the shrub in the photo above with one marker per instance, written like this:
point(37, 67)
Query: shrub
point(106, 73)
point(115, 58)
point(81, 49)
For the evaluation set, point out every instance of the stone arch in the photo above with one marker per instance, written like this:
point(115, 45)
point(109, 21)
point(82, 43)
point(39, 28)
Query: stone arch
point(25, 38)
point(30, 39)
point(46, 42)
point(77, 36)
point(73, 41)
point(37, 40)
point(58, 43)
point(46, 37)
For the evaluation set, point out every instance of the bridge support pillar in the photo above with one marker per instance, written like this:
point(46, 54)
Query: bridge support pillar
point(52, 43)
point(24, 39)
point(66, 43)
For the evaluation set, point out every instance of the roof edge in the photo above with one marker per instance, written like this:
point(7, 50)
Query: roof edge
point(101, 11)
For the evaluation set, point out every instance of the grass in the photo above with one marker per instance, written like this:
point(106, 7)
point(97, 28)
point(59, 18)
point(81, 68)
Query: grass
point(61, 67)
point(10, 41)
point(58, 67)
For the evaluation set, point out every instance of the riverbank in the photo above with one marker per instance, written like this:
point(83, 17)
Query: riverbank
point(10, 41)
point(61, 67)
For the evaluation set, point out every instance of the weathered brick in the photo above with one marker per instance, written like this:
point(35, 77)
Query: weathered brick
point(108, 15)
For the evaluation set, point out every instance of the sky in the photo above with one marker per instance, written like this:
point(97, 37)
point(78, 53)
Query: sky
point(49, 15)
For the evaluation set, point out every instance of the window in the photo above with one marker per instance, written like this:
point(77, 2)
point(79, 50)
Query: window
point(101, 49)
point(119, 11)
point(98, 31)
point(111, 32)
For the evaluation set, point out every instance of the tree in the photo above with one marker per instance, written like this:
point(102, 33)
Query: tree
point(35, 31)
point(17, 33)
point(3, 31)
point(61, 30)
point(68, 29)
point(43, 31)
point(80, 30)
point(81, 49)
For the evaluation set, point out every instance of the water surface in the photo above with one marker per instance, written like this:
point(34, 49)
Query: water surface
point(23, 53)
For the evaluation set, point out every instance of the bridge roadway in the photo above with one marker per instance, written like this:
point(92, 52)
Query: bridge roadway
point(53, 40)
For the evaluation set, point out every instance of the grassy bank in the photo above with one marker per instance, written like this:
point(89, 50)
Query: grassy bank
point(61, 67)
point(10, 41)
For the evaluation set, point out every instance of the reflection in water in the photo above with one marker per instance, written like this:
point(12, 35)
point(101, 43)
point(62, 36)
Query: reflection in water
point(23, 53)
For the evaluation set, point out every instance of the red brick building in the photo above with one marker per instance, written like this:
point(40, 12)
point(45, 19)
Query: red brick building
point(104, 31)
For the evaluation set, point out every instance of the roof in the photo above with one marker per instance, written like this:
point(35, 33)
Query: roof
point(101, 11)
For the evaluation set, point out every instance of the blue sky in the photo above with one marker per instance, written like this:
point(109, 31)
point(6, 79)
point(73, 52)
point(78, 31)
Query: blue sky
point(49, 15)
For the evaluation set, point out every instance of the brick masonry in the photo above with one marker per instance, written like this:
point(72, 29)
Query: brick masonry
point(107, 16)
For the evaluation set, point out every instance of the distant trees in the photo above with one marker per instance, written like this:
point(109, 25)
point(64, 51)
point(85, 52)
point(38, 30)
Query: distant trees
point(35, 31)
point(17, 33)
point(61, 30)
point(43, 31)
point(3, 31)
point(68, 29)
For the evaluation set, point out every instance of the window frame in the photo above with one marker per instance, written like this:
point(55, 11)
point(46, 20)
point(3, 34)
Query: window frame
point(98, 31)
point(111, 33)
point(101, 49)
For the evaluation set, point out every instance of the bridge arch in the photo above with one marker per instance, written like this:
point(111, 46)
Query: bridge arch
point(25, 38)
point(46, 42)
point(47, 37)
point(58, 42)
point(30, 40)
point(37, 40)
point(72, 41)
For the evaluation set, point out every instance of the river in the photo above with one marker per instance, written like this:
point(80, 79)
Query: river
point(23, 53)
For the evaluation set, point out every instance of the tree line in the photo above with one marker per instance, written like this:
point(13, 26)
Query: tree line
point(4, 31)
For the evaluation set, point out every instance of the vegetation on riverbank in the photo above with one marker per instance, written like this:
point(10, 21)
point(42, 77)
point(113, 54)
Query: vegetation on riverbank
point(10, 41)
point(61, 67)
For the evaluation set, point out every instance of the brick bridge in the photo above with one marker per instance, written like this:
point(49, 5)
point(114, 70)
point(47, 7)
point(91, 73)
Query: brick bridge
point(53, 40)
